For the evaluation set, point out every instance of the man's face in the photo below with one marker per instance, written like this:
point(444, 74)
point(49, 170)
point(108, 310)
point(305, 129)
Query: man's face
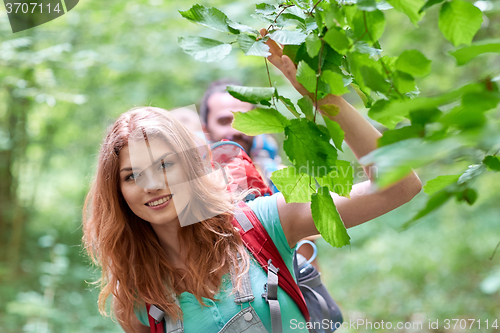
point(220, 118)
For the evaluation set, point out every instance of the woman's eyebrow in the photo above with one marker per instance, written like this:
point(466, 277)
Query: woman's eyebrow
point(157, 160)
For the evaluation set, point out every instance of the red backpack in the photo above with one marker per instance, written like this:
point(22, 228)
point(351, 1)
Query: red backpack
point(244, 176)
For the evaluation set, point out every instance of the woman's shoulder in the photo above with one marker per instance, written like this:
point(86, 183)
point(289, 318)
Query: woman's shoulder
point(266, 210)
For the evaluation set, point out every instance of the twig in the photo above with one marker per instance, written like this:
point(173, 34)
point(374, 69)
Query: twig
point(314, 7)
point(495, 251)
point(276, 18)
point(270, 84)
point(320, 55)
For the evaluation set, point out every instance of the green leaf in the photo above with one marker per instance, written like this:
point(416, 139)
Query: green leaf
point(355, 62)
point(265, 9)
point(306, 106)
point(414, 63)
point(288, 37)
point(367, 5)
point(306, 76)
point(209, 17)
point(254, 95)
point(335, 81)
point(425, 116)
point(481, 101)
point(337, 40)
point(409, 7)
point(374, 80)
point(389, 113)
point(459, 21)
point(295, 186)
point(327, 219)
point(492, 162)
point(439, 183)
point(468, 195)
point(466, 54)
point(330, 109)
point(204, 49)
point(395, 161)
point(340, 180)
point(434, 202)
point(403, 82)
point(260, 121)
point(308, 148)
point(242, 28)
point(336, 132)
point(403, 133)
point(463, 118)
point(313, 44)
point(471, 173)
point(368, 26)
point(429, 4)
point(289, 105)
point(251, 46)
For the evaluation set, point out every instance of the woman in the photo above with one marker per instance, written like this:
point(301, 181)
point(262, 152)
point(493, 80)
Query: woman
point(140, 221)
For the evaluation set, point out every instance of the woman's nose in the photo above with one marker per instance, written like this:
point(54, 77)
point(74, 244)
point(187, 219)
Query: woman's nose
point(152, 181)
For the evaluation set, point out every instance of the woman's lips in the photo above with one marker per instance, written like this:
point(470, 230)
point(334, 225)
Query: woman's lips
point(166, 199)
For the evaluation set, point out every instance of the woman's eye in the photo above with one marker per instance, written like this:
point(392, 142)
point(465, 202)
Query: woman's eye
point(166, 165)
point(132, 176)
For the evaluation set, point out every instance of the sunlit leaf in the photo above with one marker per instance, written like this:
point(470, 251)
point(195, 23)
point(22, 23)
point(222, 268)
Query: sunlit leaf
point(254, 95)
point(409, 7)
point(306, 106)
point(305, 143)
point(259, 121)
point(209, 17)
point(459, 21)
point(327, 219)
point(336, 132)
point(307, 76)
point(251, 46)
point(439, 183)
point(295, 186)
point(288, 37)
point(337, 40)
point(313, 44)
point(466, 54)
point(414, 63)
point(204, 49)
point(492, 162)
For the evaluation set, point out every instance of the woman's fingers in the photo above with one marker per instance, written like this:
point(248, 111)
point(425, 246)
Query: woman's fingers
point(283, 63)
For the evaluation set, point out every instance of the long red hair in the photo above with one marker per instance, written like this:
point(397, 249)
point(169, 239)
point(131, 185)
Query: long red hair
point(135, 269)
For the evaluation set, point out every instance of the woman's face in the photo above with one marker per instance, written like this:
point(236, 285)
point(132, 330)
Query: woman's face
point(153, 181)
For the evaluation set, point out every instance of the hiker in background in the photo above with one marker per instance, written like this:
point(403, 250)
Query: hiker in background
point(151, 177)
point(216, 118)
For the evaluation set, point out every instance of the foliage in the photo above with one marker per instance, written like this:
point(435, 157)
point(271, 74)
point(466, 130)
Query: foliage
point(335, 44)
point(62, 83)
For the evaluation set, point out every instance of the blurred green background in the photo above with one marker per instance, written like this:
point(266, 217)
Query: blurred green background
point(63, 83)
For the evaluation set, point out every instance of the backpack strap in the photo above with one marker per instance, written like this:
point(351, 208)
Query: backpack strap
point(158, 320)
point(271, 296)
point(258, 242)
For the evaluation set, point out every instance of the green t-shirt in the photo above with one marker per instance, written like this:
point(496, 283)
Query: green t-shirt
point(211, 319)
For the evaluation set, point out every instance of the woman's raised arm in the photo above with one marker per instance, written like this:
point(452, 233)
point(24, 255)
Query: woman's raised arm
point(364, 203)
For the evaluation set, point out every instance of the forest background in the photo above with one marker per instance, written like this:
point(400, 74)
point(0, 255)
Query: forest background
point(63, 83)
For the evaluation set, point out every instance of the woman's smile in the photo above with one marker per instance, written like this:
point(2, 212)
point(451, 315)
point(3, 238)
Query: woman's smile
point(159, 203)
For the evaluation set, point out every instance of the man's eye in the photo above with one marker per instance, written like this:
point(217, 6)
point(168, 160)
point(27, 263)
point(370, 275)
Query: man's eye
point(225, 121)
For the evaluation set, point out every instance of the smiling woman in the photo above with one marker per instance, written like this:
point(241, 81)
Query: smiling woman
point(160, 224)
point(151, 180)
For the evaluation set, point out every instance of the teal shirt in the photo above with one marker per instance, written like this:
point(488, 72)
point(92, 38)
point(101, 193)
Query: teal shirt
point(212, 318)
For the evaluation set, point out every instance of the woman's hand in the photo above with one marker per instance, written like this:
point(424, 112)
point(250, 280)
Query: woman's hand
point(283, 63)
point(287, 67)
